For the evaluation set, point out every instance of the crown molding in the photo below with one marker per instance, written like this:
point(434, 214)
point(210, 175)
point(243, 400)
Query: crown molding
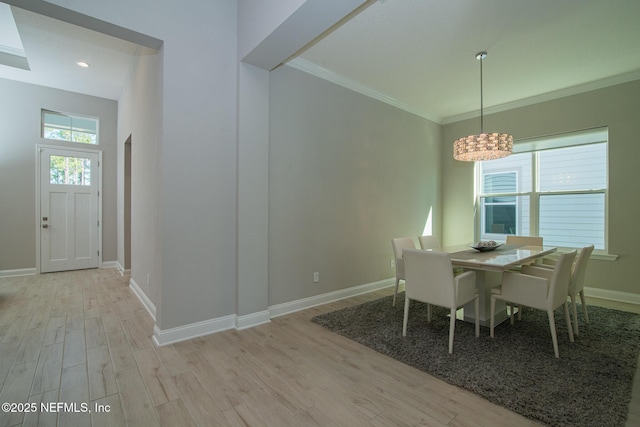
point(549, 96)
point(11, 50)
point(325, 74)
point(328, 75)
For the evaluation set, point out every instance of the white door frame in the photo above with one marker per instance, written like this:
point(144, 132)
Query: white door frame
point(39, 148)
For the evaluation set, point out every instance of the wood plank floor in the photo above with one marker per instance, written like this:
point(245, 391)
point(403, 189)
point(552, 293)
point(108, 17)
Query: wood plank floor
point(83, 338)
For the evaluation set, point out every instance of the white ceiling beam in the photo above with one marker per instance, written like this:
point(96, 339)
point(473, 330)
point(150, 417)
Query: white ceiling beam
point(308, 22)
point(85, 21)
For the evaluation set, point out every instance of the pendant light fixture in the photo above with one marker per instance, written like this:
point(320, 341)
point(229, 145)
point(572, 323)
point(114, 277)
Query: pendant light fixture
point(485, 146)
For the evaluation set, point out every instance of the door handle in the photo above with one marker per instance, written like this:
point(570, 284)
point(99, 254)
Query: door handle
point(45, 225)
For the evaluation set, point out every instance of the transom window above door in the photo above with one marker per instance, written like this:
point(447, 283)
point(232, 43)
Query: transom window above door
point(68, 127)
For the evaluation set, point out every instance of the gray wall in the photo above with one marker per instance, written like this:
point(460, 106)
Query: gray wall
point(198, 161)
point(20, 121)
point(139, 116)
point(617, 107)
point(194, 265)
point(346, 174)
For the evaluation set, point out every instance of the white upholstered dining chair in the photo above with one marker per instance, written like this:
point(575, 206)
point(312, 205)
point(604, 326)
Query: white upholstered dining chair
point(432, 242)
point(429, 242)
point(429, 278)
point(523, 240)
point(399, 244)
point(576, 285)
point(527, 241)
point(540, 288)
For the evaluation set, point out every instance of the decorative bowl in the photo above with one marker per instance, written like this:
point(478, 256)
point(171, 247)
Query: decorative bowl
point(486, 246)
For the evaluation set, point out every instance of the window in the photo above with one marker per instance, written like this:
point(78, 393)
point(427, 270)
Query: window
point(500, 211)
point(70, 170)
point(66, 127)
point(554, 187)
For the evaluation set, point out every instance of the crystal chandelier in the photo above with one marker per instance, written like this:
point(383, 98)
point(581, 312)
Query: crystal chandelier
point(485, 146)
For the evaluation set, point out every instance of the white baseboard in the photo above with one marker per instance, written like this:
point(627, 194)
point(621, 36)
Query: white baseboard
point(302, 304)
point(110, 264)
point(18, 272)
point(207, 327)
point(123, 272)
point(32, 271)
point(144, 299)
point(612, 295)
point(193, 330)
point(253, 319)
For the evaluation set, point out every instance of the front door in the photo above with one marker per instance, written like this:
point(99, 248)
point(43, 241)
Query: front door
point(68, 209)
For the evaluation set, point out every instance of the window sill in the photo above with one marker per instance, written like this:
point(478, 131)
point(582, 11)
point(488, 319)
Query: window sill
point(599, 255)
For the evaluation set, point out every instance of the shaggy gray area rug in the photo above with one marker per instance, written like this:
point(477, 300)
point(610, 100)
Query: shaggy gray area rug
point(590, 385)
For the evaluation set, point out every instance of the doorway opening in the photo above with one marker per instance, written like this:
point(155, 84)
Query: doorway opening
point(127, 204)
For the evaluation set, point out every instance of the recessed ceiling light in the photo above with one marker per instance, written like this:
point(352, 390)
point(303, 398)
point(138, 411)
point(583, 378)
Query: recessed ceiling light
point(82, 64)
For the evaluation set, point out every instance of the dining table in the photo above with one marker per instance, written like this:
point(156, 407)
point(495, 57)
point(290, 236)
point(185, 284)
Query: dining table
point(489, 266)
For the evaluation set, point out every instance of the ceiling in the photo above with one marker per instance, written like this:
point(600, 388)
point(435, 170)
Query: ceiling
point(416, 54)
point(53, 47)
point(420, 54)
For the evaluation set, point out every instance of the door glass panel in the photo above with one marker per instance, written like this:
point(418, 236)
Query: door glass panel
point(70, 170)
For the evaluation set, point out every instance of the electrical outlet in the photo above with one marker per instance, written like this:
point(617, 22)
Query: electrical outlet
point(392, 263)
point(316, 277)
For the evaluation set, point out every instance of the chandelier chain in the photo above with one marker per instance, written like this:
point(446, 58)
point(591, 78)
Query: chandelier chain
point(481, 96)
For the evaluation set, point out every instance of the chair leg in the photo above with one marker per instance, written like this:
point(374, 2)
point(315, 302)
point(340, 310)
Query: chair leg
point(406, 316)
point(477, 307)
point(492, 321)
point(584, 307)
point(395, 294)
point(568, 320)
point(513, 307)
point(428, 313)
point(554, 338)
point(452, 328)
point(575, 314)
